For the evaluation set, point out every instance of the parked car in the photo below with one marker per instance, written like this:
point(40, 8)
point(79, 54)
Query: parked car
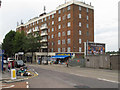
point(19, 63)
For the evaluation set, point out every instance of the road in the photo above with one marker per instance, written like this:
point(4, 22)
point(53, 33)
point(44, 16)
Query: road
point(55, 79)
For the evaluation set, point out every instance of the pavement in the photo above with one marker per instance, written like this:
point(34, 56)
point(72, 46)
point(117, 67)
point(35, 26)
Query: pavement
point(20, 82)
point(101, 74)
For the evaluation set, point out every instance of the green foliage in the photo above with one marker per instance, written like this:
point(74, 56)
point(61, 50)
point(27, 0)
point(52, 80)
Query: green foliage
point(32, 43)
point(19, 42)
point(15, 42)
point(8, 43)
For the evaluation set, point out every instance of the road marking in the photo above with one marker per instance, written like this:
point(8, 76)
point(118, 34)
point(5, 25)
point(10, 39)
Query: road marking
point(27, 86)
point(107, 80)
point(36, 73)
point(9, 86)
point(27, 83)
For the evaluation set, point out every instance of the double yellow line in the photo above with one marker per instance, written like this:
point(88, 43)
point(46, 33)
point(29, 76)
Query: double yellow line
point(34, 75)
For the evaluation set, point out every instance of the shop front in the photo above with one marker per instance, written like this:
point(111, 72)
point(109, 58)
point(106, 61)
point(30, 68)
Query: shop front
point(61, 58)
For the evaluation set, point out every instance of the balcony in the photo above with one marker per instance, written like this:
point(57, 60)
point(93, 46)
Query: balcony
point(44, 27)
point(44, 40)
point(28, 32)
point(35, 30)
point(44, 47)
point(44, 34)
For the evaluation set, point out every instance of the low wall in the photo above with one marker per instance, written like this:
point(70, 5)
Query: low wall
point(102, 61)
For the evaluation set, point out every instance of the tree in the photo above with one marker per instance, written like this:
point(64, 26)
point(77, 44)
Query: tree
point(32, 43)
point(7, 44)
point(19, 42)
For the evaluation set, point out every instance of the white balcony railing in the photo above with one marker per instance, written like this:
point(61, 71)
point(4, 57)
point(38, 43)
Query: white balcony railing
point(44, 40)
point(44, 27)
point(28, 32)
point(43, 46)
point(35, 30)
point(44, 33)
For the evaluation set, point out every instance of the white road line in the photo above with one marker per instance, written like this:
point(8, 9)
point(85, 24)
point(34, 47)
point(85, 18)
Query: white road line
point(9, 86)
point(36, 73)
point(27, 86)
point(27, 83)
point(107, 80)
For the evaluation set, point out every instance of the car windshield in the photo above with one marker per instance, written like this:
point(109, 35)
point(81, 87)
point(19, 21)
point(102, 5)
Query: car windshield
point(20, 62)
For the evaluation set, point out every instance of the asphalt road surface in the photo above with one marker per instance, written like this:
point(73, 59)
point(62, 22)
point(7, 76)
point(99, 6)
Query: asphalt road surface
point(56, 79)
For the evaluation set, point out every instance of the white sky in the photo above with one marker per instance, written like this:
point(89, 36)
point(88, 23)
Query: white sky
point(105, 17)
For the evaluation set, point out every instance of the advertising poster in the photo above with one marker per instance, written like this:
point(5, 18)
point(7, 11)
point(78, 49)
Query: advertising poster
point(96, 48)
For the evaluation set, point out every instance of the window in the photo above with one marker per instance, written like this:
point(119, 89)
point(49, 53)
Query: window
point(52, 36)
point(87, 18)
point(52, 49)
point(52, 29)
point(59, 11)
point(52, 22)
point(42, 20)
point(79, 15)
point(79, 49)
point(37, 22)
point(68, 7)
point(53, 16)
point(87, 33)
point(63, 10)
point(48, 30)
point(59, 34)
point(63, 41)
point(63, 49)
point(59, 19)
point(58, 49)
point(68, 24)
point(64, 17)
point(59, 26)
point(49, 17)
point(45, 19)
point(87, 10)
point(63, 33)
point(68, 16)
point(58, 42)
point(80, 32)
point(87, 26)
point(80, 8)
point(68, 41)
point(68, 49)
point(79, 41)
point(52, 43)
point(80, 24)
point(68, 32)
point(36, 27)
point(48, 37)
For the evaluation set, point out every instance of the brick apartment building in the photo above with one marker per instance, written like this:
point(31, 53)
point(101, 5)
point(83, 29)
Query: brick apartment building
point(63, 30)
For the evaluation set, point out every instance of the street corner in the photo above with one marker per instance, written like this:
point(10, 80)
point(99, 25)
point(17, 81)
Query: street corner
point(15, 85)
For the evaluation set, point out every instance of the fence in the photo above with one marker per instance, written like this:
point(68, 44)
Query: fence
point(77, 62)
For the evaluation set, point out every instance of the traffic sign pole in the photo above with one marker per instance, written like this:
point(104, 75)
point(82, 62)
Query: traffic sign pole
point(2, 59)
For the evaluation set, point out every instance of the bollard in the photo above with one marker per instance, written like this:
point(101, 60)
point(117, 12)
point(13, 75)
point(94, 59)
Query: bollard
point(13, 74)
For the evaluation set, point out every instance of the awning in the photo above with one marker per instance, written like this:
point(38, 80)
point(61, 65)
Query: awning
point(58, 56)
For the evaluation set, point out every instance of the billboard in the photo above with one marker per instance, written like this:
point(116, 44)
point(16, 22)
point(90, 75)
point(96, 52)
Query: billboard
point(95, 48)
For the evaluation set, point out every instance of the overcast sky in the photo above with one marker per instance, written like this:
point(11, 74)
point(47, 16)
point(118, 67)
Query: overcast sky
point(105, 17)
